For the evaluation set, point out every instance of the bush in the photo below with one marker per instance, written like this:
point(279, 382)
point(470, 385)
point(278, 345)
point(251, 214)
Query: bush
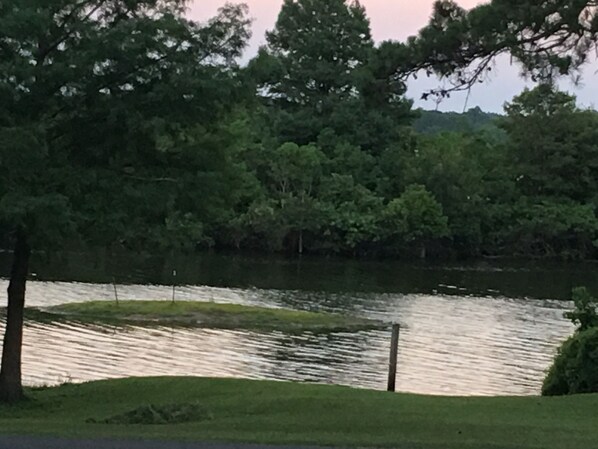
point(585, 315)
point(575, 368)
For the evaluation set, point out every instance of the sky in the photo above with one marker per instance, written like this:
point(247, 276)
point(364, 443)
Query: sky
point(397, 20)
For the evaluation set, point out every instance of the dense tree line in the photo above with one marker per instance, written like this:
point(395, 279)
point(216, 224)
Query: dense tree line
point(336, 163)
point(312, 147)
point(473, 120)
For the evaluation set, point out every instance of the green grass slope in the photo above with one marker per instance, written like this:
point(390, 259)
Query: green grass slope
point(276, 412)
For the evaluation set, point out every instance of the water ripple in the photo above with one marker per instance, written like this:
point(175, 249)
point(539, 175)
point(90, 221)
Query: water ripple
point(449, 345)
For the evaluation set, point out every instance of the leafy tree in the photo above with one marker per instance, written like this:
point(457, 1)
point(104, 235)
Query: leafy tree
point(553, 227)
point(469, 176)
point(262, 225)
point(99, 110)
point(288, 205)
point(309, 67)
point(553, 144)
point(295, 172)
point(354, 215)
point(321, 73)
point(416, 218)
point(449, 166)
point(348, 159)
point(548, 38)
point(321, 46)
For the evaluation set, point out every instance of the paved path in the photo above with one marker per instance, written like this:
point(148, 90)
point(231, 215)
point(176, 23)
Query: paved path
point(17, 442)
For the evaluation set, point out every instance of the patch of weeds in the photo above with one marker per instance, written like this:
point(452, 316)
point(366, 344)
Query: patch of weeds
point(66, 381)
point(159, 414)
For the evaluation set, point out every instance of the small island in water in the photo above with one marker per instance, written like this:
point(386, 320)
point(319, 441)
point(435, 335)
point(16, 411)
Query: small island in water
point(205, 314)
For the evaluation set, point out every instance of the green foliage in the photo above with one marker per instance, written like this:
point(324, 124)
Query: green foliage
point(108, 117)
point(354, 223)
point(295, 170)
point(99, 113)
point(309, 69)
point(474, 120)
point(320, 73)
point(333, 41)
point(415, 217)
point(575, 368)
point(553, 144)
point(585, 314)
point(142, 131)
point(549, 228)
point(453, 169)
point(548, 39)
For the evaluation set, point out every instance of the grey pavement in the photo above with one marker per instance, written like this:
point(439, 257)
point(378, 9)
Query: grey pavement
point(19, 442)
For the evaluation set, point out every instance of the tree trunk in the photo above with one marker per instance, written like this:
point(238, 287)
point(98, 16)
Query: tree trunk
point(422, 251)
point(300, 242)
point(11, 389)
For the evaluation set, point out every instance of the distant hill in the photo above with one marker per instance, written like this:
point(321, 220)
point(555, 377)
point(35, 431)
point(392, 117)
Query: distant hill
point(433, 122)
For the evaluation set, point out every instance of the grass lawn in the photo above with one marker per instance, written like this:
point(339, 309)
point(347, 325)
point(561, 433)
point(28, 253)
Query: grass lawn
point(276, 412)
point(208, 314)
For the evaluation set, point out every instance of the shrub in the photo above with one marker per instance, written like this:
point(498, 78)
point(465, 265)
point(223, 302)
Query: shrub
point(575, 368)
point(584, 315)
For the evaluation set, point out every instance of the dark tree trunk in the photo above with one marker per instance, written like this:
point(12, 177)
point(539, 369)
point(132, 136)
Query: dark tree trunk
point(423, 253)
point(11, 389)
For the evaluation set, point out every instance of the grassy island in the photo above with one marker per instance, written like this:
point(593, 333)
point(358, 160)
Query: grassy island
point(289, 413)
point(208, 314)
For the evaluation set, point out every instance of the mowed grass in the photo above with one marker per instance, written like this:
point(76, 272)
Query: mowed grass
point(208, 314)
point(287, 413)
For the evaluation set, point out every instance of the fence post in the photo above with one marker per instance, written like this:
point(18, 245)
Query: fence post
point(173, 284)
point(394, 350)
point(115, 291)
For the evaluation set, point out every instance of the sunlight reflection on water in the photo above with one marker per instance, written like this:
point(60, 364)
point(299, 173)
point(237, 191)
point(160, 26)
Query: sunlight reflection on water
point(449, 345)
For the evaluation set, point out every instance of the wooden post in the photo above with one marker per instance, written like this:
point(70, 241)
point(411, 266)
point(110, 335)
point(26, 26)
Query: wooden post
point(115, 291)
point(394, 350)
point(173, 284)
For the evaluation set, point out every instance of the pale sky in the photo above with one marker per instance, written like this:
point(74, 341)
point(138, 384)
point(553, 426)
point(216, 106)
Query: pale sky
point(396, 20)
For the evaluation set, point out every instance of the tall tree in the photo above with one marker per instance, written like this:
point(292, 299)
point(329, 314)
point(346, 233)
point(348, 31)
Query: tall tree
point(321, 73)
point(101, 105)
point(295, 172)
point(553, 144)
point(416, 218)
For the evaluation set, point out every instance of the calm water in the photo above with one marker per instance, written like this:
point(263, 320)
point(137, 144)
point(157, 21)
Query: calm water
point(481, 329)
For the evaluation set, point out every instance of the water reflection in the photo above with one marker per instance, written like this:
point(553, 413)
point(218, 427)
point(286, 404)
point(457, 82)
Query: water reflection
point(457, 345)
point(518, 279)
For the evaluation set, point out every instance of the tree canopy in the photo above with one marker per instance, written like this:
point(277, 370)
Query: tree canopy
point(549, 38)
point(320, 74)
point(104, 106)
point(109, 101)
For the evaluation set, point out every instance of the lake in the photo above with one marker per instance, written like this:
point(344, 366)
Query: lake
point(484, 328)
